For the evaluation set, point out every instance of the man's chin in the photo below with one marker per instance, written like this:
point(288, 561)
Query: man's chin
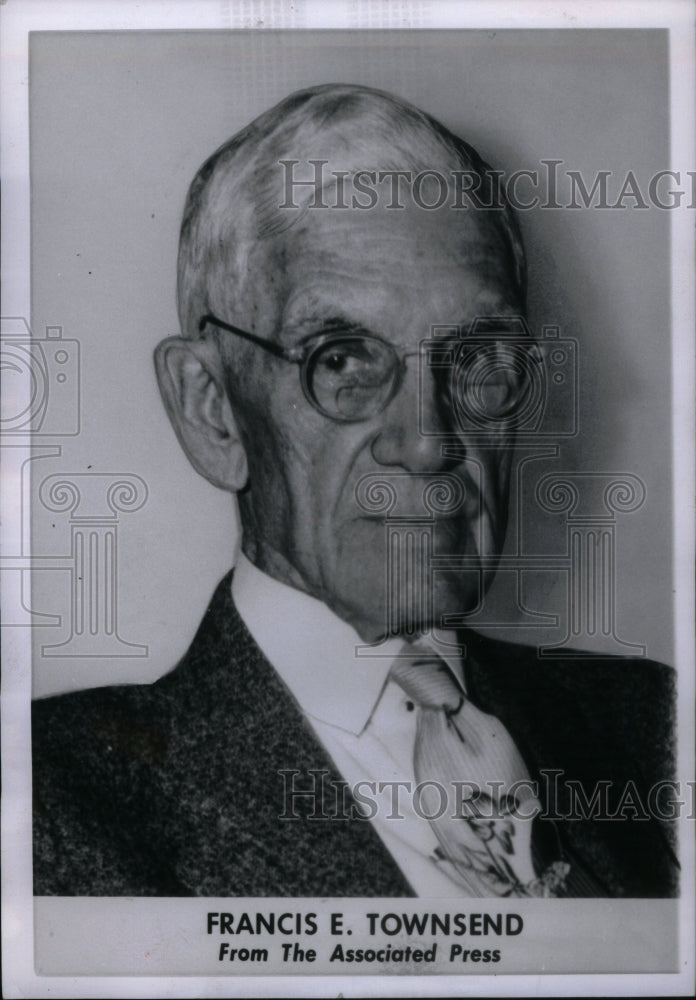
point(387, 585)
point(379, 615)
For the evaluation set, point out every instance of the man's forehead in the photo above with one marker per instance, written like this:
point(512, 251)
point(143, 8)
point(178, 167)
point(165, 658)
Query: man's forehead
point(386, 288)
point(379, 255)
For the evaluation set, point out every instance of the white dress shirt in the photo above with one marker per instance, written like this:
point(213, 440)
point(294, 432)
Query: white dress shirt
point(362, 718)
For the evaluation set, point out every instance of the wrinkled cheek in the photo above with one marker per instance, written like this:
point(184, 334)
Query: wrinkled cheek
point(270, 503)
point(308, 529)
point(485, 477)
point(360, 571)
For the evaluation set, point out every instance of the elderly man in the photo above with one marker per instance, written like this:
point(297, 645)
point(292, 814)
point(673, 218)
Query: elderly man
point(308, 282)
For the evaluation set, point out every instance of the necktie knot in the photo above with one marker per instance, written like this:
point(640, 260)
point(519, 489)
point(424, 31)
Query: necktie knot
point(426, 679)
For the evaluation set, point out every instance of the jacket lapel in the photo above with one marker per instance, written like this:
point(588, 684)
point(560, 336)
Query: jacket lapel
point(242, 754)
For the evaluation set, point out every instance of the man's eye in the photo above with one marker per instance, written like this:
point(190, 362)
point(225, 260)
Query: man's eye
point(351, 379)
point(337, 360)
point(350, 360)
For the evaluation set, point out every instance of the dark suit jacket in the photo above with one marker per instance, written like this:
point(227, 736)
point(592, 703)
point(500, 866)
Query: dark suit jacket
point(174, 788)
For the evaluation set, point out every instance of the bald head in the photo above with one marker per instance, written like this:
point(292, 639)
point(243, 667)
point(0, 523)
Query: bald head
point(238, 205)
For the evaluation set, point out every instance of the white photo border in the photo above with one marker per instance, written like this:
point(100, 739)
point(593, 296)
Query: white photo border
point(19, 18)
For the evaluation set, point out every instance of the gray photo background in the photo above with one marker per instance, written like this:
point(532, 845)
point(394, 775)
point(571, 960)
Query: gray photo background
point(120, 122)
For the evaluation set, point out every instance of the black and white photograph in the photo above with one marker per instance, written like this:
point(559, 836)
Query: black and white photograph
point(347, 442)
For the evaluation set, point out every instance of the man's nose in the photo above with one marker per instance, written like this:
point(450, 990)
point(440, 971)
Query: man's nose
point(413, 425)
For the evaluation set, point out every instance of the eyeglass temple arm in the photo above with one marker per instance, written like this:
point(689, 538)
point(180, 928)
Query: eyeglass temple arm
point(268, 345)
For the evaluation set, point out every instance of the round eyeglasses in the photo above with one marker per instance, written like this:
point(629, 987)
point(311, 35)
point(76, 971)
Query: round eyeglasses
point(347, 376)
point(351, 377)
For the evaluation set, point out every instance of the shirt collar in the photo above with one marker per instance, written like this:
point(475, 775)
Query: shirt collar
point(333, 674)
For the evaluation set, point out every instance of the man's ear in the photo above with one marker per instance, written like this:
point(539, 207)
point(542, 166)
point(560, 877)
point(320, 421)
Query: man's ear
point(191, 381)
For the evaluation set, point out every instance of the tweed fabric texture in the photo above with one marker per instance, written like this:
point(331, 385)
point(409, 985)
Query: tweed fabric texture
point(174, 788)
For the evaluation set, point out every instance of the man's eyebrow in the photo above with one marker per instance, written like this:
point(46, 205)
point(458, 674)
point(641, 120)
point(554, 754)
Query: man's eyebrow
point(312, 325)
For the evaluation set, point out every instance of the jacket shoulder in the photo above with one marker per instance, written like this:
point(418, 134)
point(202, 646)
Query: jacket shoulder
point(632, 679)
point(91, 751)
point(97, 720)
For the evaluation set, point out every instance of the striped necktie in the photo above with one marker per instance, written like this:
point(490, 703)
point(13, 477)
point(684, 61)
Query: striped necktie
point(466, 767)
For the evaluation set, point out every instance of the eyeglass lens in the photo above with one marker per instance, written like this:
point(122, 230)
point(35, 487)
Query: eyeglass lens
point(352, 377)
